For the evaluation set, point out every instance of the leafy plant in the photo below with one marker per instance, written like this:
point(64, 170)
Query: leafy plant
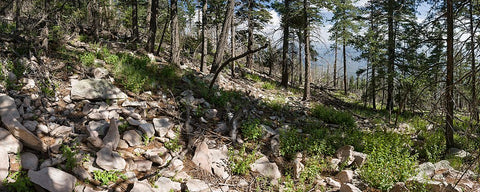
point(88, 59)
point(69, 154)
point(269, 86)
point(146, 139)
point(330, 115)
point(253, 77)
point(22, 182)
point(173, 145)
point(251, 129)
point(240, 163)
point(108, 176)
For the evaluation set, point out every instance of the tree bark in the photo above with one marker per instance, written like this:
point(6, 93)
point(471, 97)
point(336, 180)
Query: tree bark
point(204, 43)
point(165, 26)
point(474, 111)
point(300, 67)
point(335, 63)
point(175, 36)
point(344, 44)
point(250, 33)
point(232, 38)
point(134, 22)
point(306, 92)
point(153, 26)
point(449, 84)
point(286, 31)
point(222, 42)
point(391, 56)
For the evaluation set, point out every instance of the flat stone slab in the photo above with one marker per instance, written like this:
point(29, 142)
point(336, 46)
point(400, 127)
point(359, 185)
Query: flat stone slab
point(95, 89)
point(4, 165)
point(22, 133)
point(8, 142)
point(7, 106)
point(109, 160)
point(53, 179)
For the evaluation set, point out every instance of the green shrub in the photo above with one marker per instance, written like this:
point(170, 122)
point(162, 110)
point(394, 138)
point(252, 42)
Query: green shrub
point(83, 38)
point(88, 59)
point(330, 115)
point(253, 77)
point(433, 146)
point(389, 160)
point(269, 86)
point(251, 129)
point(291, 142)
point(240, 163)
point(22, 182)
point(69, 154)
point(106, 177)
point(173, 145)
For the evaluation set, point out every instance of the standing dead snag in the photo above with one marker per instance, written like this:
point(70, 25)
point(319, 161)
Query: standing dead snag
point(224, 64)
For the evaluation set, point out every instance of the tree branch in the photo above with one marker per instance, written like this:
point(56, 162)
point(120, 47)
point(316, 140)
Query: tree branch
point(224, 64)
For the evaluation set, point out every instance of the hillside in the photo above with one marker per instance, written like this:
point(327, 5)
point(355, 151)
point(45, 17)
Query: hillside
point(98, 117)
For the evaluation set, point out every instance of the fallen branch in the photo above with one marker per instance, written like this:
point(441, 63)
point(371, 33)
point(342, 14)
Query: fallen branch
point(224, 64)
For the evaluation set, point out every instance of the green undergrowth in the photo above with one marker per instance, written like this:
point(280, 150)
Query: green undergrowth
point(106, 177)
point(21, 182)
point(241, 159)
point(330, 115)
point(220, 98)
point(134, 72)
point(251, 130)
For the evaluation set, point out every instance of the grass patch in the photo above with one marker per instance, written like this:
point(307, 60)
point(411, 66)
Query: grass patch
point(251, 129)
point(330, 115)
point(22, 182)
point(240, 162)
point(269, 86)
point(106, 177)
point(253, 77)
point(88, 59)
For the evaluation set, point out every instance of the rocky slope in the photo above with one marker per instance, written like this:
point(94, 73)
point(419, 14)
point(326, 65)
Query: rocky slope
point(89, 135)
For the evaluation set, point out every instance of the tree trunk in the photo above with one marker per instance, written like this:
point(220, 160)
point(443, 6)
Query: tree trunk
point(222, 42)
point(300, 67)
point(232, 38)
point(286, 31)
point(474, 111)
point(449, 83)
point(335, 63)
point(204, 43)
point(250, 33)
point(18, 4)
point(306, 92)
point(165, 26)
point(153, 26)
point(344, 44)
point(374, 92)
point(96, 19)
point(175, 36)
point(134, 22)
point(391, 57)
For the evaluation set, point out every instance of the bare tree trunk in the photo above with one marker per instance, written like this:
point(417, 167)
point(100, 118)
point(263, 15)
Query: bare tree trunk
point(204, 44)
point(153, 26)
point(306, 93)
point(175, 36)
point(344, 67)
point(335, 63)
point(300, 67)
point(250, 33)
point(165, 26)
point(134, 22)
point(95, 19)
point(449, 84)
point(232, 38)
point(391, 56)
point(222, 42)
point(474, 111)
point(18, 5)
point(286, 31)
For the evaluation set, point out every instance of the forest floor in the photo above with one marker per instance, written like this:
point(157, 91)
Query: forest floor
point(93, 117)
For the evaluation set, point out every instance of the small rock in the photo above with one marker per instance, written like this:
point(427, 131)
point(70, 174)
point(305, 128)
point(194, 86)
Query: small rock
point(81, 173)
point(61, 131)
point(143, 165)
point(458, 152)
point(30, 125)
point(142, 186)
point(112, 137)
point(167, 185)
point(333, 183)
point(399, 187)
point(133, 121)
point(345, 176)
point(359, 158)
point(132, 138)
point(201, 157)
point(122, 144)
point(8, 107)
point(109, 160)
point(265, 168)
point(195, 185)
point(345, 154)
point(9, 143)
point(148, 129)
point(162, 125)
point(100, 73)
point(67, 99)
point(20, 132)
point(129, 103)
point(29, 161)
point(211, 113)
point(242, 183)
point(425, 170)
point(131, 176)
point(53, 179)
point(349, 188)
point(97, 128)
point(297, 165)
point(4, 165)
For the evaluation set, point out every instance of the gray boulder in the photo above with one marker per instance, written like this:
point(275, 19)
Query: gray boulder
point(195, 185)
point(29, 161)
point(265, 168)
point(112, 137)
point(162, 125)
point(142, 186)
point(4, 165)
point(132, 138)
point(53, 179)
point(95, 89)
point(8, 142)
point(167, 185)
point(109, 160)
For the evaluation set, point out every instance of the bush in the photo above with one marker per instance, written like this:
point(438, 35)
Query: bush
point(330, 115)
point(269, 86)
point(240, 163)
point(22, 182)
point(253, 77)
point(88, 59)
point(251, 129)
point(389, 160)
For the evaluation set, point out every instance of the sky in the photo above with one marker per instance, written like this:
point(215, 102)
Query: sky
point(321, 39)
